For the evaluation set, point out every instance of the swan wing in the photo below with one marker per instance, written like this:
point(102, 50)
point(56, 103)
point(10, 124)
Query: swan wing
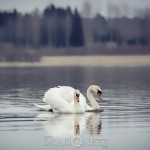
point(66, 92)
point(48, 94)
point(60, 105)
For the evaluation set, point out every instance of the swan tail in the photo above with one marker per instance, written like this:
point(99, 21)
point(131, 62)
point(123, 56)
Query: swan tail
point(43, 107)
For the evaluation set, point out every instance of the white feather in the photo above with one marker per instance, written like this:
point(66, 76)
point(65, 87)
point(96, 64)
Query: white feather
point(43, 107)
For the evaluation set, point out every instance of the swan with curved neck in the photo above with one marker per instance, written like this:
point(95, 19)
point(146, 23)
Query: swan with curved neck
point(66, 93)
point(90, 95)
point(77, 107)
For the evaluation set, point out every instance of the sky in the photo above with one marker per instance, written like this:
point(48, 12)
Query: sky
point(97, 6)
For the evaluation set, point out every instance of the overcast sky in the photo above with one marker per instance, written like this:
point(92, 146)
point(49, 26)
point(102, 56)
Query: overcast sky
point(98, 6)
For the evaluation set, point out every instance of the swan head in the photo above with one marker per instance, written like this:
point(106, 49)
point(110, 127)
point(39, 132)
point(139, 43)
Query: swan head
point(76, 95)
point(97, 90)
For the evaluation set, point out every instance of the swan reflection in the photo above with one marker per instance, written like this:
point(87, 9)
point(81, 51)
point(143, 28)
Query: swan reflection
point(71, 125)
point(94, 125)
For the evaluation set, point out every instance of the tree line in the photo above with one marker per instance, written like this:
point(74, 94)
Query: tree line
point(56, 27)
point(59, 27)
point(120, 31)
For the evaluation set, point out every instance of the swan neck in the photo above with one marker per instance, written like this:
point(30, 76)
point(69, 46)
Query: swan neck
point(92, 100)
point(77, 106)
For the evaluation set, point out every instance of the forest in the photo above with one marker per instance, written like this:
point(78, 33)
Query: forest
point(59, 31)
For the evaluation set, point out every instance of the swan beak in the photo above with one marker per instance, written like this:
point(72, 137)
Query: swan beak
point(100, 97)
point(77, 95)
point(99, 94)
point(78, 99)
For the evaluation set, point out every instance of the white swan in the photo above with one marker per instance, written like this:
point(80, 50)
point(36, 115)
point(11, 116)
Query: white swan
point(66, 93)
point(90, 95)
point(59, 104)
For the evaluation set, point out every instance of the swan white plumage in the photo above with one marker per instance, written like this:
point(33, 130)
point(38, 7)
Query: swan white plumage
point(58, 101)
point(66, 93)
point(61, 105)
point(90, 95)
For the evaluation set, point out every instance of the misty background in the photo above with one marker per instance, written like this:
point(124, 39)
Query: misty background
point(32, 29)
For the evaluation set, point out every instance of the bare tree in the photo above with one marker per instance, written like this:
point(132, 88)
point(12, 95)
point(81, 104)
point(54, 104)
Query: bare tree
point(125, 10)
point(87, 9)
point(36, 27)
point(113, 10)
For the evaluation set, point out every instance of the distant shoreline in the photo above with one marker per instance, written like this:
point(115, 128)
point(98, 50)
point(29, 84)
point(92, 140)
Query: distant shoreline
point(98, 60)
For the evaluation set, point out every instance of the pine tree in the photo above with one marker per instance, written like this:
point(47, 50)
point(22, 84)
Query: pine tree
point(76, 36)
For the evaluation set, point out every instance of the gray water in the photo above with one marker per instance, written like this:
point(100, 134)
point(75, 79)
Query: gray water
point(124, 124)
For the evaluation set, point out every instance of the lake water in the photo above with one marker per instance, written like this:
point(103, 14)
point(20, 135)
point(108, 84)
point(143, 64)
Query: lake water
point(124, 124)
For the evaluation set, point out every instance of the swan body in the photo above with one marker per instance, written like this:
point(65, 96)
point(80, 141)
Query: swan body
point(53, 96)
point(57, 99)
point(61, 105)
point(64, 95)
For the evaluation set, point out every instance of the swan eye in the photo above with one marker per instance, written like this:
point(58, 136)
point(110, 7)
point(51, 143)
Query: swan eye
point(77, 95)
point(99, 92)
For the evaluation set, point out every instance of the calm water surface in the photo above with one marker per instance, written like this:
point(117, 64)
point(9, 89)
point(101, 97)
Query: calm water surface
point(124, 124)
